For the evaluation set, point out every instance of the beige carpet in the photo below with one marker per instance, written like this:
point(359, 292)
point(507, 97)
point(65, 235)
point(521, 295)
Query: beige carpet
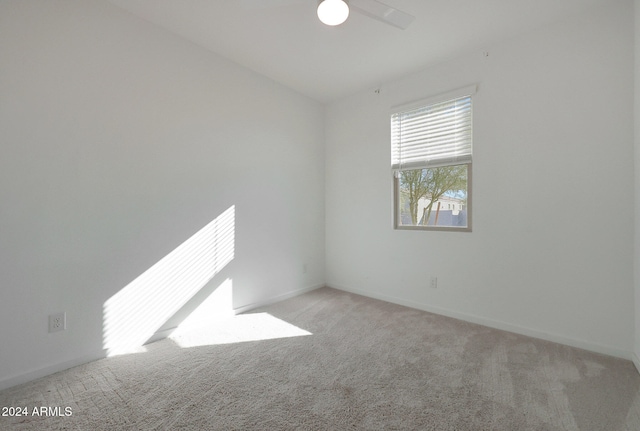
point(346, 363)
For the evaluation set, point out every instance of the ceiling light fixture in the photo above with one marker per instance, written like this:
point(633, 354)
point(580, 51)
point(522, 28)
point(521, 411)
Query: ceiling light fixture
point(333, 12)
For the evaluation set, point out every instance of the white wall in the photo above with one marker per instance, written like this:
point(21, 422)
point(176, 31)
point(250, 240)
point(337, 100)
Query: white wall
point(119, 141)
point(553, 128)
point(636, 357)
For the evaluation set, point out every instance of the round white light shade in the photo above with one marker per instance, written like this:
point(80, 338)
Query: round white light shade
point(333, 12)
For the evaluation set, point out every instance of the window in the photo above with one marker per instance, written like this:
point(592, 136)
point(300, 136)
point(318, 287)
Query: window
point(431, 149)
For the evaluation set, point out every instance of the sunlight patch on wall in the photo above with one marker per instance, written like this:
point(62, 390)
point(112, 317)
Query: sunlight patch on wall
point(136, 312)
point(217, 306)
point(237, 329)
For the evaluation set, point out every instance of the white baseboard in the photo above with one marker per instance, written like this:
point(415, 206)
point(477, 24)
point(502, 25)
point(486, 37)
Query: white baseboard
point(275, 299)
point(168, 331)
point(160, 335)
point(556, 338)
point(48, 370)
point(636, 360)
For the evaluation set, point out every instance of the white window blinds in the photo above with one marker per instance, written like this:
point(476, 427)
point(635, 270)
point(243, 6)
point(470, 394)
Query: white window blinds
point(436, 133)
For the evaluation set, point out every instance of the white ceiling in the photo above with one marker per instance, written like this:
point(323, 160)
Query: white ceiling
point(284, 40)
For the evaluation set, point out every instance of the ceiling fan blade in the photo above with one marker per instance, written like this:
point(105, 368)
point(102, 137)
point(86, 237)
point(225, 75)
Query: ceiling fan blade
point(382, 12)
point(265, 4)
point(371, 8)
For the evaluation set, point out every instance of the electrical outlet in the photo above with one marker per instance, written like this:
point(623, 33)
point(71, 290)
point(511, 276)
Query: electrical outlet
point(434, 282)
point(57, 322)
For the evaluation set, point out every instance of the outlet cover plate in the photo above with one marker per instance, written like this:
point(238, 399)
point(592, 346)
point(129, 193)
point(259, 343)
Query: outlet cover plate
point(57, 322)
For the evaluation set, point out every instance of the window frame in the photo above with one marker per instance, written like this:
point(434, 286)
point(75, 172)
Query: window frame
point(396, 207)
point(468, 91)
